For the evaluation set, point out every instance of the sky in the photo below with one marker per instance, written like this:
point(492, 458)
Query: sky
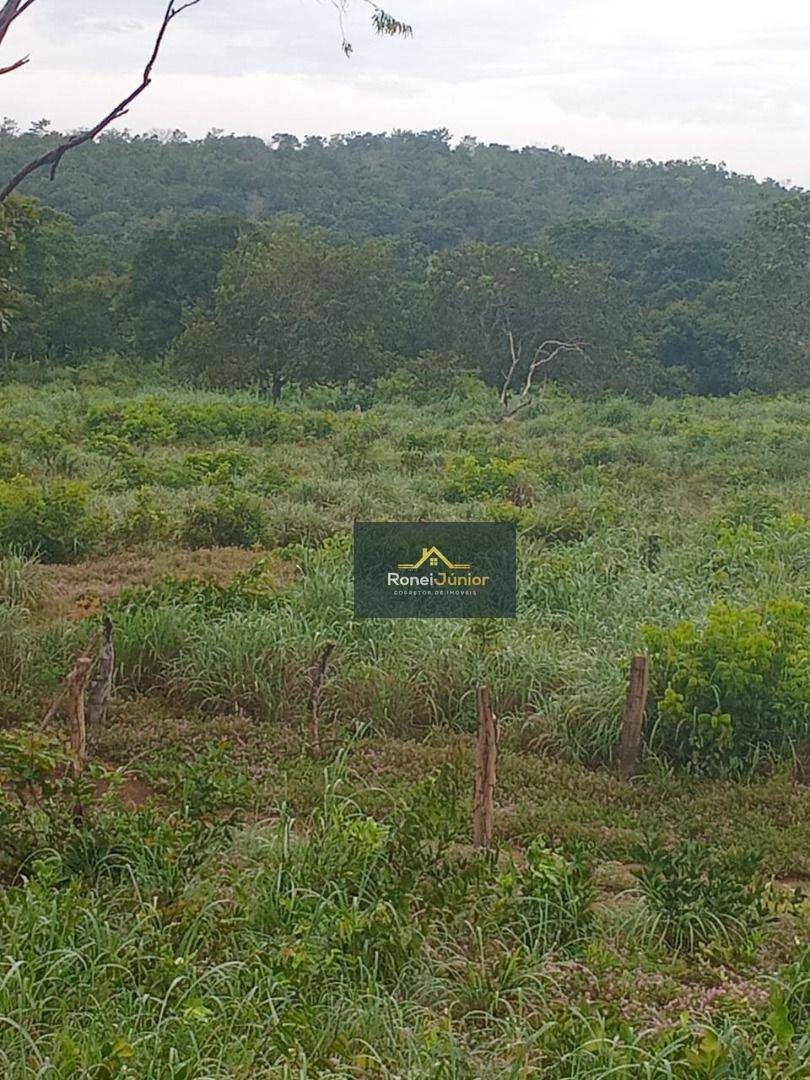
point(726, 81)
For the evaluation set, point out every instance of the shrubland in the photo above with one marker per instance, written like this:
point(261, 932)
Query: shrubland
point(226, 906)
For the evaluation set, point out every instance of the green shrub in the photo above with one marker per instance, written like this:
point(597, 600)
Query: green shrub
point(738, 687)
point(153, 419)
point(354, 440)
point(38, 796)
point(127, 467)
point(10, 462)
point(145, 518)
point(208, 784)
point(465, 477)
point(272, 478)
point(253, 589)
point(756, 509)
point(142, 420)
point(698, 896)
point(215, 466)
point(50, 520)
point(230, 518)
point(565, 525)
point(547, 902)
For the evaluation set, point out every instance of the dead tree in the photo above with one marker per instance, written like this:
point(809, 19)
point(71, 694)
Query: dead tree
point(99, 688)
point(318, 678)
point(633, 717)
point(486, 768)
point(543, 355)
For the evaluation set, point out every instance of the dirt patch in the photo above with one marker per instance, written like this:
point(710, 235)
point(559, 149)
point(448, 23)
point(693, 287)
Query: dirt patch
point(81, 589)
point(131, 790)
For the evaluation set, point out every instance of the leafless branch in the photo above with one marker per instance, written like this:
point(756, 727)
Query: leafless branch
point(515, 352)
point(13, 67)
point(52, 158)
point(544, 354)
point(384, 23)
point(10, 11)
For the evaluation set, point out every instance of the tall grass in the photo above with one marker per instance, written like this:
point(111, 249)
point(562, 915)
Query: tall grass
point(336, 945)
point(21, 580)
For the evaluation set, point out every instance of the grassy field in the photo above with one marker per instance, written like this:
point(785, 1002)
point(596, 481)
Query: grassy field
point(226, 906)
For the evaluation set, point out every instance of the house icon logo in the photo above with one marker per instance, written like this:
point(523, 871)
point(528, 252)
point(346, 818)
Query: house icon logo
point(432, 557)
point(405, 569)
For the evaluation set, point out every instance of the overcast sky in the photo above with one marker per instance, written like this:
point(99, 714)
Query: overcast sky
point(728, 80)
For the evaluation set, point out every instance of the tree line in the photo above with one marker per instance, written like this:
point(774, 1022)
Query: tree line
point(599, 303)
point(416, 185)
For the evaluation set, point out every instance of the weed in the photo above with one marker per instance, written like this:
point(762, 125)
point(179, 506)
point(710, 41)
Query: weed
point(699, 897)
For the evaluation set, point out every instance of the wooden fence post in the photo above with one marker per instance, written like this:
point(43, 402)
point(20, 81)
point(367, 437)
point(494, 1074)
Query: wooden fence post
point(486, 768)
point(800, 773)
point(76, 682)
point(318, 677)
point(633, 717)
point(99, 689)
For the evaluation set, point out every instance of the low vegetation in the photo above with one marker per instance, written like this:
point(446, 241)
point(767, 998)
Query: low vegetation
point(223, 905)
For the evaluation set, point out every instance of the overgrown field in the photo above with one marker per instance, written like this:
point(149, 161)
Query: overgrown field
point(226, 906)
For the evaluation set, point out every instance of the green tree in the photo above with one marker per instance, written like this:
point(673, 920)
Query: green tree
point(80, 316)
point(18, 217)
point(292, 306)
point(772, 297)
point(699, 341)
point(517, 316)
point(683, 269)
point(624, 246)
point(175, 267)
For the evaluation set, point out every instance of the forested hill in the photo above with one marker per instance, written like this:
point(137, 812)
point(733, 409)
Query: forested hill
point(414, 185)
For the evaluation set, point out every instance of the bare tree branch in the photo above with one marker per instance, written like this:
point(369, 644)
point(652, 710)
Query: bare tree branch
point(544, 354)
point(10, 11)
point(53, 157)
point(384, 23)
point(13, 67)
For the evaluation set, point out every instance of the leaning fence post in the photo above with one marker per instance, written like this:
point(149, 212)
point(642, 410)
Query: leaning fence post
point(486, 768)
point(633, 717)
point(317, 677)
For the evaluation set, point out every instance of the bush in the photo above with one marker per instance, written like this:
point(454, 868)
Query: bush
point(548, 902)
point(153, 419)
point(216, 466)
point(698, 896)
point(52, 521)
point(229, 519)
point(468, 478)
point(354, 440)
point(739, 687)
point(144, 518)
